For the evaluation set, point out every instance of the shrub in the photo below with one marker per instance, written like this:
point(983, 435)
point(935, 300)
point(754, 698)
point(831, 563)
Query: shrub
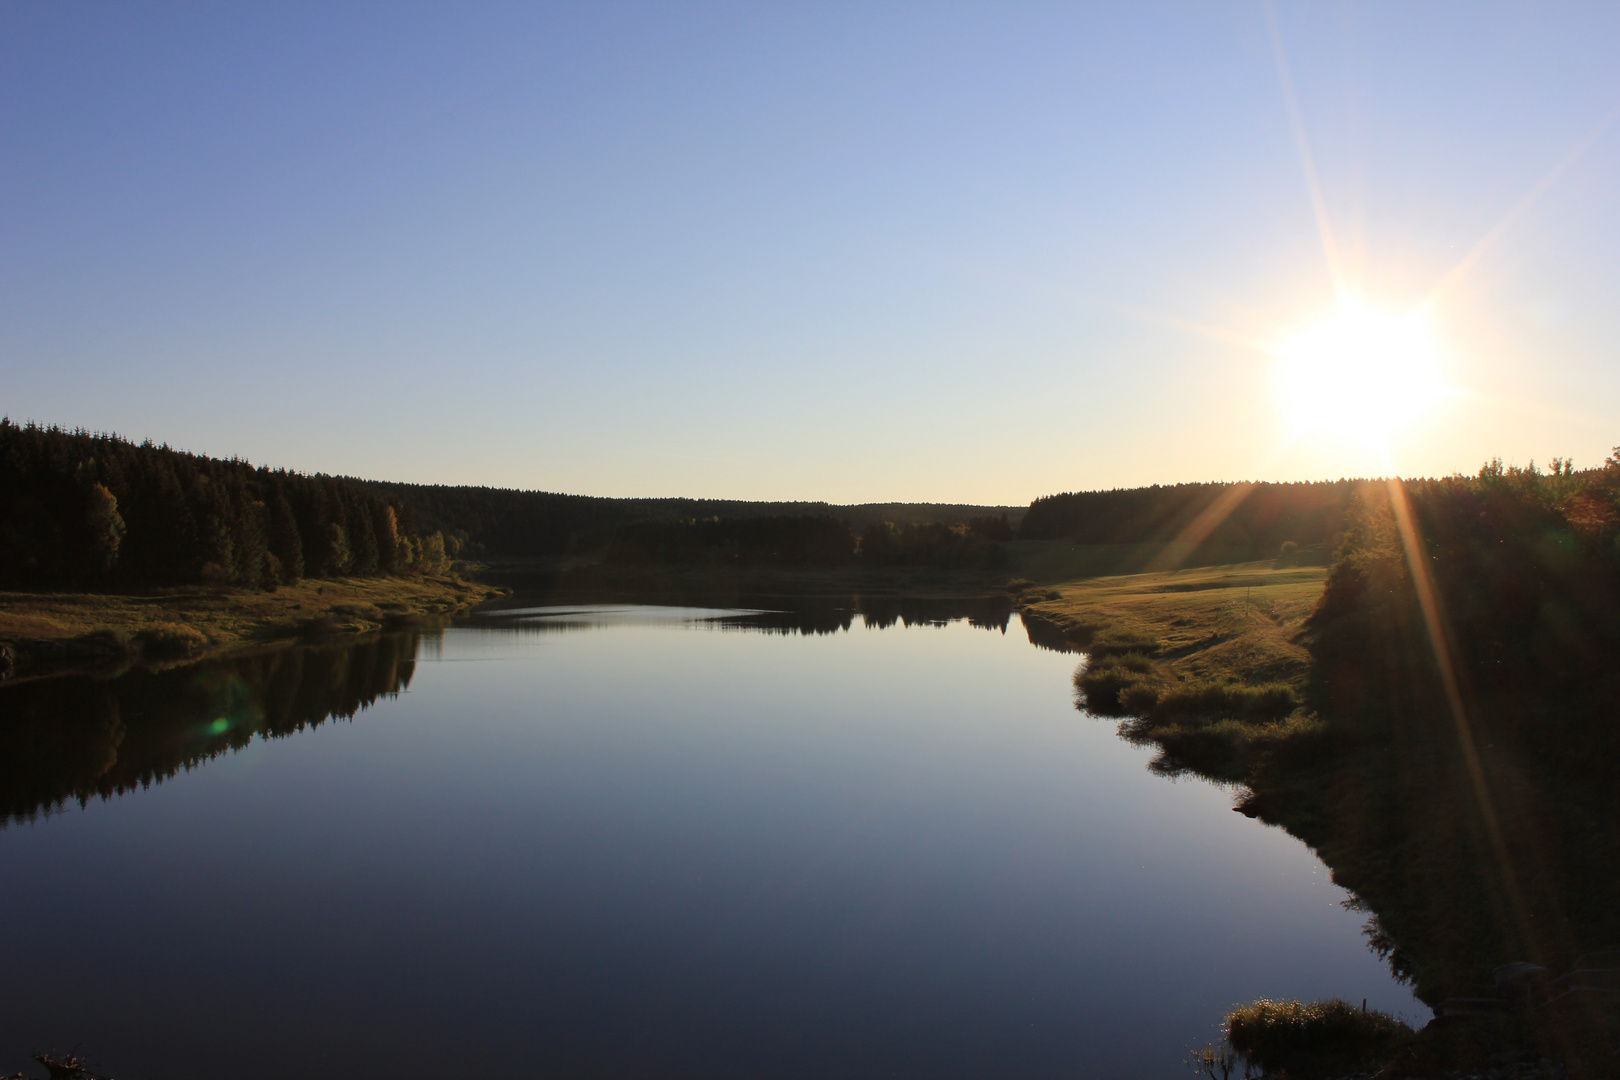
point(1268, 702)
point(171, 641)
point(1139, 698)
point(1322, 1038)
point(1104, 680)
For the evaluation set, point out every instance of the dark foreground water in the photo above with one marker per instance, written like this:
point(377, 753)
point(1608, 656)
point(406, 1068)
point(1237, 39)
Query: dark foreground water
point(636, 842)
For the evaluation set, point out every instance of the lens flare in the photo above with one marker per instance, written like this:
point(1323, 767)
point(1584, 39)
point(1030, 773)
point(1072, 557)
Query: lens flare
point(1360, 374)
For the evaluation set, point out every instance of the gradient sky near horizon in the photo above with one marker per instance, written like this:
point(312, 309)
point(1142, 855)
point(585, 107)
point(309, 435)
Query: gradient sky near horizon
point(853, 252)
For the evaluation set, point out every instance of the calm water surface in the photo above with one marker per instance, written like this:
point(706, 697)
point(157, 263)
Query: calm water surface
point(641, 842)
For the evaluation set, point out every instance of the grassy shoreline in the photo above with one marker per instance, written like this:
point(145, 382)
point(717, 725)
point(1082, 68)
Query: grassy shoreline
point(1206, 663)
point(1233, 622)
point(1217, 669)
point(52, 633)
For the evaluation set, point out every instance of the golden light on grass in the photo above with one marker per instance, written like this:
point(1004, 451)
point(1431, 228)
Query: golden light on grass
point(1360, 374)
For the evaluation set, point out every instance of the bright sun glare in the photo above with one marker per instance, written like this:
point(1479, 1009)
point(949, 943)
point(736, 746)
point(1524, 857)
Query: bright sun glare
point(1359, 374)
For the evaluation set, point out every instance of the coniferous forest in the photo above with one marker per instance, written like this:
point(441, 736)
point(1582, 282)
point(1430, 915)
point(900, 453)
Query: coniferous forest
point(1256, 517)
point(95, 511)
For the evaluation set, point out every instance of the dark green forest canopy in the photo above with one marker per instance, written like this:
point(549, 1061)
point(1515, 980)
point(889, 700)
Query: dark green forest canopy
point(504, 523)
point(808, 540)
point(96, 511)
point(1259, 518)
point(1507, 586)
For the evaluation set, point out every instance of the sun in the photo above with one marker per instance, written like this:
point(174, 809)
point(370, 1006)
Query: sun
point(1360, 374)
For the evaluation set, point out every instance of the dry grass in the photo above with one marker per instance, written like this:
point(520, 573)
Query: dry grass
point(1211, 624)
point(228, 619)
point(1320, 1038)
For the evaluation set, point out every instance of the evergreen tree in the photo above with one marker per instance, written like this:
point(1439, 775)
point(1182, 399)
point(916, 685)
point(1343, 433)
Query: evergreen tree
point(362, 535)
point(285, 543)
point(77, 508)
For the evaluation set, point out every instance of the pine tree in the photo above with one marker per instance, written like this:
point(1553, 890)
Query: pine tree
point(363, 536)
point(285, 542)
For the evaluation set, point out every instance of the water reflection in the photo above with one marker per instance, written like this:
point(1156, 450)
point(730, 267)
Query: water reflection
point(77, 739)
point(767, 613)
point(613, 840)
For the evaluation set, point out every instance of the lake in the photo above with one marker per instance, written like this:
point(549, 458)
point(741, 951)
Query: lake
point(631, 841)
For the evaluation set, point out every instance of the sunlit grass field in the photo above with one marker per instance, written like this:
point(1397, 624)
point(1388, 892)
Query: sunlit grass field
point(227, 619)
point(1211, 623)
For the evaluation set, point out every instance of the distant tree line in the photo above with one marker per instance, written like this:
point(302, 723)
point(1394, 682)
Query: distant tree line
point(807, 540)
point(502, 523)
point(975, 545)
point(799, 540)
point(1260, 519)
point(83, 510)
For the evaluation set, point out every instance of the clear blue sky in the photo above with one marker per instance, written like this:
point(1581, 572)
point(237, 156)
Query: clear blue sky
point(848, 251)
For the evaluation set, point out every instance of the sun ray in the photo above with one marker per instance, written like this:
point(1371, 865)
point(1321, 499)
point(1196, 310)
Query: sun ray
point(1521, 404)
point(1198, 529)
point(1516, 212)
point(1212, 331)
point(1434, 623)
point(1313, 183)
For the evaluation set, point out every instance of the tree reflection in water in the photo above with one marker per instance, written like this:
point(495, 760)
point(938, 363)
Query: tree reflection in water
point(74, 739)
point(77, 739)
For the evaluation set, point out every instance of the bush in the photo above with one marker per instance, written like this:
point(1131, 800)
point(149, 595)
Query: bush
point(1139, 698)
point(1127, 685)
point(1106, 680)
point(1268, 702)
point(1322, 1038)
point(171, 641)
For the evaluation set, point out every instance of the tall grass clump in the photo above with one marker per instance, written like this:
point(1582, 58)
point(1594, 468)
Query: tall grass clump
point(171, 641)
point(1128, 684)
point(1315, 1039)
point(1107, 683)
point(1268, 701)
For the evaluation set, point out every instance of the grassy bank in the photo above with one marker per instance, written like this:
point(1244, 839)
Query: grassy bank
point(1217, 623)
point(1440, 730)
point(50, 632)
point(1204, 663)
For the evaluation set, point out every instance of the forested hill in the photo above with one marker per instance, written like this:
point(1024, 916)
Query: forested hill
point(1259, 518)
point(504, 523)
point(95, 511)
point(82, 510)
